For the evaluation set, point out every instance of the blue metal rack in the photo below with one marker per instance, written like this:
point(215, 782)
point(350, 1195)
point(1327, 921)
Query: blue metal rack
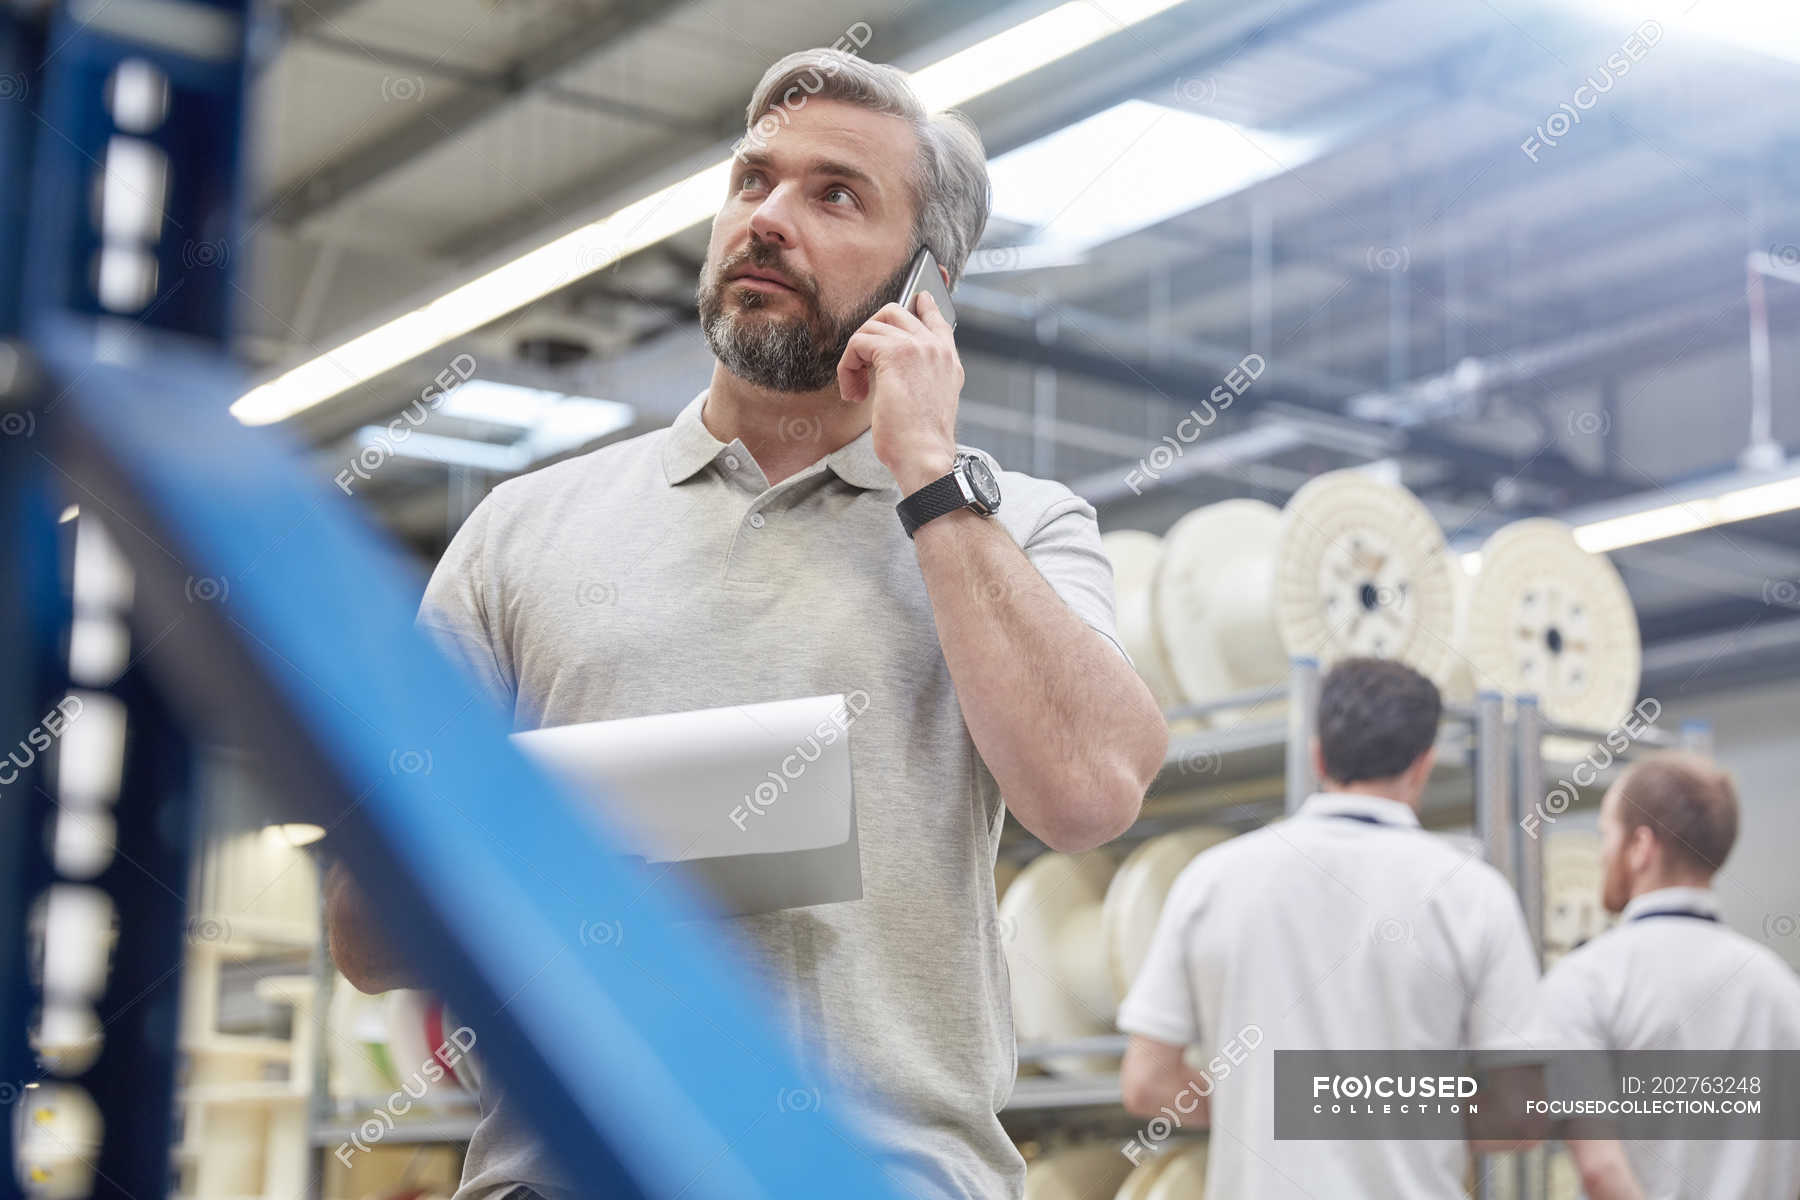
point(266, 605)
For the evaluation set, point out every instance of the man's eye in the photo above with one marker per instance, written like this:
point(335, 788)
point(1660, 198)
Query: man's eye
point(841, 191)
point(749, 178)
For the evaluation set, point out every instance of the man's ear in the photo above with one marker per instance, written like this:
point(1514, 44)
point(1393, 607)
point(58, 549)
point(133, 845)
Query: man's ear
point(1318, 759)
point(945, 272)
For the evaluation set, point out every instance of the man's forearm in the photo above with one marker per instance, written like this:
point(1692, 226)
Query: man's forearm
point(1155, 1076)
point(1070, 732)
point(1605, 1171)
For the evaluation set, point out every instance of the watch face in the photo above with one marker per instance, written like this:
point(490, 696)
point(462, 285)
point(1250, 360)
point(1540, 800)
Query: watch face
point(987, 488)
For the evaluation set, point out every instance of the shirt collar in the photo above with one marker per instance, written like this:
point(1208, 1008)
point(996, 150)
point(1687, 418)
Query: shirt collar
point(690, 445)
point(1353, 804)
point(1680, 899)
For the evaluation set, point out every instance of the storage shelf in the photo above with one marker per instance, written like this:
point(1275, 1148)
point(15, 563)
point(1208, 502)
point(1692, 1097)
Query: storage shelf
point(1656, 739)
point(1234, 778)
point(424, 1131)
point(249, 1092)
point(1212, 758)
point(1238, 776)
point(241, 1046)
point(250, 937)
point(1105, 1043)
point(1034, 1093)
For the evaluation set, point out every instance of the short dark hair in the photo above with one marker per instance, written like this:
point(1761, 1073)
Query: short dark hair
point(1376, 717)
point(1687, 802)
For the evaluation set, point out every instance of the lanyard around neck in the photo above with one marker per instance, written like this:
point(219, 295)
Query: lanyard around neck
point(1677, 912)
point(1365, 818)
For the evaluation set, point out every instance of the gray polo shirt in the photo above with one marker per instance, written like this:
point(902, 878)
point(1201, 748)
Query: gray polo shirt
point(662, 574)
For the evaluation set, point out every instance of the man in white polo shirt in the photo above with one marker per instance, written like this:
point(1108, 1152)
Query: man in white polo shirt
point(810, 525)
point(1671, 976)
point(1347, 927)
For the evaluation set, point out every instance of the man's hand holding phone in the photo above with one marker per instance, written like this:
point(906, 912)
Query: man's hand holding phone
point(903, 363)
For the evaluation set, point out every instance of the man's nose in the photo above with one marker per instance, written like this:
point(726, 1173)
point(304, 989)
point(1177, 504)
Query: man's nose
point(772, 221)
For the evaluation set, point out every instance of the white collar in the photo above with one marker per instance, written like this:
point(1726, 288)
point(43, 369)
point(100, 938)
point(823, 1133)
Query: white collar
point(1358, 806)
point(1677, 899)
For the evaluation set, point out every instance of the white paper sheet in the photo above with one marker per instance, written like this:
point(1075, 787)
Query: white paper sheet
point(746, 779)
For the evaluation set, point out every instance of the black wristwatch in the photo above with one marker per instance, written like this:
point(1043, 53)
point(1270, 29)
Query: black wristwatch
point(970, 484)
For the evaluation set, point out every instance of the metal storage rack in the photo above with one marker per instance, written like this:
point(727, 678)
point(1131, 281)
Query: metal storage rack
point(1492, 769)
point(1472, 782)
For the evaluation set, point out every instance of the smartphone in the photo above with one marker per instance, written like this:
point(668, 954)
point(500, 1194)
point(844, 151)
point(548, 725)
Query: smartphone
point(923, 276)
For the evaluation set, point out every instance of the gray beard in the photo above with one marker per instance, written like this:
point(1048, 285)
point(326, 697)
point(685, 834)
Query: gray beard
point(783, 355)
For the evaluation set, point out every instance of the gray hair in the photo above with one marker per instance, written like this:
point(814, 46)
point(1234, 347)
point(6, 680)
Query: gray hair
point(951, 191)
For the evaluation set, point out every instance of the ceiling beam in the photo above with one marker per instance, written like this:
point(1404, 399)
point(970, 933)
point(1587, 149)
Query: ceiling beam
point(502, 81)
point(1726, 645)
point(1180, 383)
point(1677, 308)
point(1552, 249)
point(1473, 70)
point(382, 156)
point(1484, 257)
point(1004, 125)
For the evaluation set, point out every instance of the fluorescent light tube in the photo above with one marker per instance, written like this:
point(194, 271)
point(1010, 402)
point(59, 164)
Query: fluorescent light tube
point(1769, 27)
point(1130, 167)
point(1689, 516)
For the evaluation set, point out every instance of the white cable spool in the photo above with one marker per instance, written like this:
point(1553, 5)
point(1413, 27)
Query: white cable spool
point(1143, 1177)
point(1135, 897)
point(57, 1131)
point(1136, 557)
point(1549, 618)
point(1050, 920)
point(1185, 1176)
point(1353, 566)
point(1077, 1172)
point(1212, 600)
point(1363, 571)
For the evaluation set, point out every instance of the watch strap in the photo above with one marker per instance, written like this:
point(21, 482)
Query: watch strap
point(942, 495)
